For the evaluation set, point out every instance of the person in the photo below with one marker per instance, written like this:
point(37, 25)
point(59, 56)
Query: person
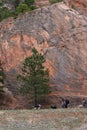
point(84, 103)
point(53, 106)
point(65, 103)
point(37, 106)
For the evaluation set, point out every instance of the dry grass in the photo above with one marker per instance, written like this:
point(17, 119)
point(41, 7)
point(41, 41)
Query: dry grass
point(45, 119)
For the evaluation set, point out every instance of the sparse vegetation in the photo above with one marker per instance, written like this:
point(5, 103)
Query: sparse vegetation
point(1, 3)
point(73, 7)
point(29, 2)
point(19, 8)
point(22, 8)
point(55, 1)
point(5, 13)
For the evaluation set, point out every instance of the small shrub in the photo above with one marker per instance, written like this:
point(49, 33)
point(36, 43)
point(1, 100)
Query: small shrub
point(29, 2)
point(73, 7)
point(55, 1)
point(4, 13)
point(1, 3)
point(22, 8)
point(32, 7)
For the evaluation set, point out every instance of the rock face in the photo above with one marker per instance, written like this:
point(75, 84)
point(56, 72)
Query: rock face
point(40, 3)
point(79, 5)
point(60, 33)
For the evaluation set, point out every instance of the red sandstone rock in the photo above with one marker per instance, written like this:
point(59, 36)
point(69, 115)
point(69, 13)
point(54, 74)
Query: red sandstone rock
point(80, 5)
point(57, 31)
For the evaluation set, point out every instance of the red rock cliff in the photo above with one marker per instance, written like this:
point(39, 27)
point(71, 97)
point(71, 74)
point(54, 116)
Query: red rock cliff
point(57, 31)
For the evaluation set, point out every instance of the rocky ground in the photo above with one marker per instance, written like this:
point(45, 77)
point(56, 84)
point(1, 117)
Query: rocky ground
point(47, 119)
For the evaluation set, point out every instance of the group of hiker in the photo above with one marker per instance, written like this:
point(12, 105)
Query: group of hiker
point(64, 104)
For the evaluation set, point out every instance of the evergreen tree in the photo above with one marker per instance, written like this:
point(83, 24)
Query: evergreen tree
point(35, 76)
point(29, 2)
point(1, 78)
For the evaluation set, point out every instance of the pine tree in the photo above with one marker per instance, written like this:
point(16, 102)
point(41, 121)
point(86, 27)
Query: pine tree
point(29, 2)
point(1, 78)
point(34, 76)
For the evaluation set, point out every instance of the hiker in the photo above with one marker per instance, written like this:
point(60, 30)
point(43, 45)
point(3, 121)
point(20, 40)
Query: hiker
point(38, 106)
point(84, 102)
point(65, 103)
point(53, 106)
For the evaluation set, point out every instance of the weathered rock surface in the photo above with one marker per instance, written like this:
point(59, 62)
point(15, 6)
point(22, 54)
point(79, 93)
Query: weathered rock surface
point(57, 31)
point(40, 3)
point(80, 5)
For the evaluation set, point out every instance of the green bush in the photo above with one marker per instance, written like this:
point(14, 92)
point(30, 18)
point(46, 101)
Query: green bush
point(1, 3)
point(32, 7)
point(55, 1)
point(29, 2)
point(19, 8)
point(4, 13)
point(73, 7)
point(22, 8)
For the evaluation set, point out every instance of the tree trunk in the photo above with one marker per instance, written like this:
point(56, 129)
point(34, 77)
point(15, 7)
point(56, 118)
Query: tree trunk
point(35, 96)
